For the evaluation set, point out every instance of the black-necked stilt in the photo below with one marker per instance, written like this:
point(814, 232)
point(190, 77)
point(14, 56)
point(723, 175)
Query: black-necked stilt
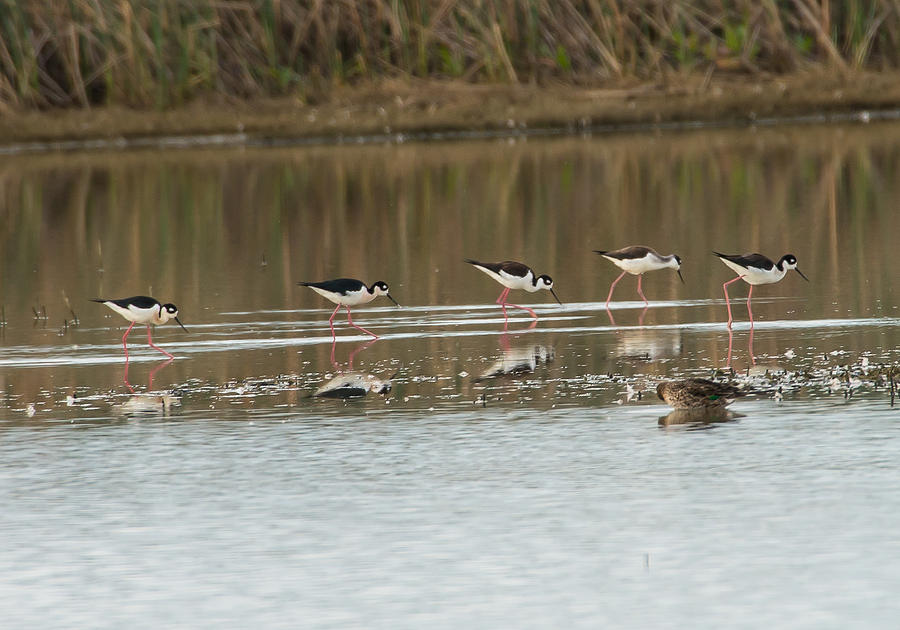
point(756, 269)
point(515, 275)
point(638, 260)
point(696, 393)
point(348, 292)
point(141, 309)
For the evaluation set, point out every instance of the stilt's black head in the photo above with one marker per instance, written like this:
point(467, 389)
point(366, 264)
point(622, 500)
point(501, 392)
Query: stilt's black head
point(381, 288)
point(678, 266)
point(171, 312)
point(546, 282)
point(789, 261)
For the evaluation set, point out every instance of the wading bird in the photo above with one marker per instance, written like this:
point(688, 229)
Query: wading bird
point(638, 260)
point(348, 292)
point(141, 309)
point(756, 269)
point(515, 275)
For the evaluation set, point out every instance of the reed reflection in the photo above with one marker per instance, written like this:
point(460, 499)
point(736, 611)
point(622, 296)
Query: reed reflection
point(193, 225)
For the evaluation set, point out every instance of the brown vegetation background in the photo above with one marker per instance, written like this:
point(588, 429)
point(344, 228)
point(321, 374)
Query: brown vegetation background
point(161, 54)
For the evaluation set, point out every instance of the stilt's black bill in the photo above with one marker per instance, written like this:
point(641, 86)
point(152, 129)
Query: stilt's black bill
point(180, 324)
point(680, 276)
point(392, 299)
point(797, 269)
point(554, 295)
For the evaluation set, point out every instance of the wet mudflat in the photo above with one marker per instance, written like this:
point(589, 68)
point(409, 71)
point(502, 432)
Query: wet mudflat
point(517, 477)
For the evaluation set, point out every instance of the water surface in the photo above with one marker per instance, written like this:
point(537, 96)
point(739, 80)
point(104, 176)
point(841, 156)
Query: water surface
point(517, 477)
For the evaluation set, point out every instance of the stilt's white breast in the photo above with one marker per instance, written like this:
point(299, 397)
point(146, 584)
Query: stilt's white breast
point(525, 282)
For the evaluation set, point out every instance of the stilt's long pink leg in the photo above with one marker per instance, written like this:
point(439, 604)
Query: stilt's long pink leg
point(150, 341)
point(750, 310)
point(524, 308)
point(502, 302)
point(331, 323)
point(350, 319)
point(727, 302)
point(613, 286)
point(125, 345)
point(641, 293)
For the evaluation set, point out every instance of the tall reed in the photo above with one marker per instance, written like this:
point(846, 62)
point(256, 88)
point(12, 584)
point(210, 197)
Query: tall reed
point(160, 53)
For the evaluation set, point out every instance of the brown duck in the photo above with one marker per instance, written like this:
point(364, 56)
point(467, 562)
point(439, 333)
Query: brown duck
point(697, 393)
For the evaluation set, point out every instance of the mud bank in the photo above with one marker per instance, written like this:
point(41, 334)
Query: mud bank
point(418, 109)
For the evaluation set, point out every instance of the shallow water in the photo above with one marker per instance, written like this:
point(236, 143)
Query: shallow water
point(518, 478)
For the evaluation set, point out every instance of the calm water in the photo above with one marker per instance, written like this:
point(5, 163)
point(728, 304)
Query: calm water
point(525, 478)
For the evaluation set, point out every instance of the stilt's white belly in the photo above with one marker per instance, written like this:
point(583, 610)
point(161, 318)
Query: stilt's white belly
point(512, 282)
point(636, 266)
point(135, 314)
point(350, 299)
point(752, 275)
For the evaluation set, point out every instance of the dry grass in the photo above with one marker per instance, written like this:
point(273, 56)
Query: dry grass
point(160, 53)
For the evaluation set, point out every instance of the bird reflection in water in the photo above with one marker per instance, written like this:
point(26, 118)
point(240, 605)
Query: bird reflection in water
point(641, 315)
point(352, 355)
point(698, 418)
point(519, 360)
point(353, 385)
point(636, 344)
point(749, 344)
point(147, 406)
point(153, 372)
point(349, 383)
